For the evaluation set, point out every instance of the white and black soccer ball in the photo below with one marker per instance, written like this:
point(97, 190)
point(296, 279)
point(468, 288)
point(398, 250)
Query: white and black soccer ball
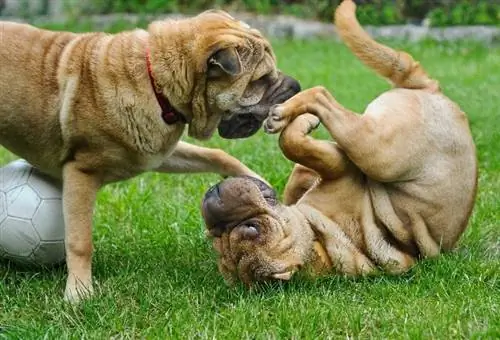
point(31, 217)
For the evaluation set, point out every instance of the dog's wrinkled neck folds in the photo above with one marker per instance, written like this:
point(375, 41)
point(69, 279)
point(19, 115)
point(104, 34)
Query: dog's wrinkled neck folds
point(168, 113)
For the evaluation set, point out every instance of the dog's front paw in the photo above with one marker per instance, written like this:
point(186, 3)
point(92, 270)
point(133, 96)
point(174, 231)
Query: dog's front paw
point(311, 120)
point(276, 121)
point(77, 290)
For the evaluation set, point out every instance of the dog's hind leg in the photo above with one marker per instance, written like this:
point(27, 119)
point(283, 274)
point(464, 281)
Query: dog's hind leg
point(385, 254)
point(386, 146)
point(299, 182)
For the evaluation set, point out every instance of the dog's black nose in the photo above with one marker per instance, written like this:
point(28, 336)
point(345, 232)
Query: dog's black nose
point(213, 192)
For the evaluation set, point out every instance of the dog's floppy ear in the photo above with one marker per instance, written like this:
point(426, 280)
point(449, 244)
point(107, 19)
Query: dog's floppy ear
point(224, 61)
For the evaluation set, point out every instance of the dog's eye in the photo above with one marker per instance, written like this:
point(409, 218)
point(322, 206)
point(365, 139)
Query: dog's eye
point(253, 227)
point(249, 231)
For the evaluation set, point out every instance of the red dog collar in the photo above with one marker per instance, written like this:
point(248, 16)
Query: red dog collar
point(168, 113)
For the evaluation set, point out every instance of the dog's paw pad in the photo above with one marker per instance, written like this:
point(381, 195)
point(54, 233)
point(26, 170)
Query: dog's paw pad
point(275, 122)
point(314, 123)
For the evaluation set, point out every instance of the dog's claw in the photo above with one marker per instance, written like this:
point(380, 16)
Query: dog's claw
point(314, 123)
point(276, 120)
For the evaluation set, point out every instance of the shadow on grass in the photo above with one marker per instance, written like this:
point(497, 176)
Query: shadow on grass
point(12, 272)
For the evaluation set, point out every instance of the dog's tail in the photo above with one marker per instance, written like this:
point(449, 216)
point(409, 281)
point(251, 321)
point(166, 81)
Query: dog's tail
point(397, 66)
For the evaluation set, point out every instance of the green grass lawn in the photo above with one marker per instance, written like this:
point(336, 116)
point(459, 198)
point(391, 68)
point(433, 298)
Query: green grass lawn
point(156, 276)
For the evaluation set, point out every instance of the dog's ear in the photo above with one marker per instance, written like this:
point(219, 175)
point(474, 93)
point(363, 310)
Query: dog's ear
point(224, 61)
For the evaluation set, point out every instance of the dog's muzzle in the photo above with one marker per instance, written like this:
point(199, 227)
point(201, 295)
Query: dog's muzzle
point(245, 124)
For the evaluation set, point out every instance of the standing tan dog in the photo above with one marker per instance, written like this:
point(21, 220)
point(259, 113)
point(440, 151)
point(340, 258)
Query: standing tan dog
point(97, 108)
point(397, 184)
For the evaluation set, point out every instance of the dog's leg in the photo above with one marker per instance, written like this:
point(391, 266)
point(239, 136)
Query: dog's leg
point(188, 158)
point(378, 145)
point(79, 194)
point(385, 254)
point(324, 157)
point(314, 158)
point(300, 181)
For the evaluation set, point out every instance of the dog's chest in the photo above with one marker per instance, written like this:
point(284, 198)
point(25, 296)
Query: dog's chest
point(152, 162)
point(160, 147)
point(132, 165)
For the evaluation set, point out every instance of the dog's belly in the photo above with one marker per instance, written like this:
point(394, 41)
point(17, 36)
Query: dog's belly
point(440, 209)
point(438, 191)
point(130, 166)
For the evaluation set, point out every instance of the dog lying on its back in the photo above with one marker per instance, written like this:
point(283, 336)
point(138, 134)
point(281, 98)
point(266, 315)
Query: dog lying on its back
point(398, 183)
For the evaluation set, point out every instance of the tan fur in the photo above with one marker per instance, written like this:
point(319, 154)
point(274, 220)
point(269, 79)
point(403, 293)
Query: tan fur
point(81, 107)
point(397, 66)
point(398, 184)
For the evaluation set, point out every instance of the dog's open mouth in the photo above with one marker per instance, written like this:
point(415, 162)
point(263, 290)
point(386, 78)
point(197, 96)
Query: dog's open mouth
point(318, 264)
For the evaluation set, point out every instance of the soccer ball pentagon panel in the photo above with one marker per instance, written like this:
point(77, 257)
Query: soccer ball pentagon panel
point(31, 218)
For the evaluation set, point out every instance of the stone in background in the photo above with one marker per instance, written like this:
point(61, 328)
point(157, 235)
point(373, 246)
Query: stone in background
point(59, 11)
point(33, 8)
point(23, 8)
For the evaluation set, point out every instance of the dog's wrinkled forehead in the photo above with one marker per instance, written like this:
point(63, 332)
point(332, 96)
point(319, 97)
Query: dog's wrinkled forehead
point(216, 20)
point(223, 18)
point(220, 14)
point(244, 24)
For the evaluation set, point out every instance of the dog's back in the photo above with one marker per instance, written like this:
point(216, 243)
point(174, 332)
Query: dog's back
point(29, 62)
point(29, 95)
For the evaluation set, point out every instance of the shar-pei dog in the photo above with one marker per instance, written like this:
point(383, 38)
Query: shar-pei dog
point(96, 108)
point(397, 184)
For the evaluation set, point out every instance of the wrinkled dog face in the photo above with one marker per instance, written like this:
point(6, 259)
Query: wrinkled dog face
point(226, 75)
point(243, 82)
point(255, 237)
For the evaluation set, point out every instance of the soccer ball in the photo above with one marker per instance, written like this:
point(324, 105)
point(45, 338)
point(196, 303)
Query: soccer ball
point(31, 217)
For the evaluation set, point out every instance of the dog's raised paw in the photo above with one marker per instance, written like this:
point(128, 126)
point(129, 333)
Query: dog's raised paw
point(314, 123)
point(276, 120)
